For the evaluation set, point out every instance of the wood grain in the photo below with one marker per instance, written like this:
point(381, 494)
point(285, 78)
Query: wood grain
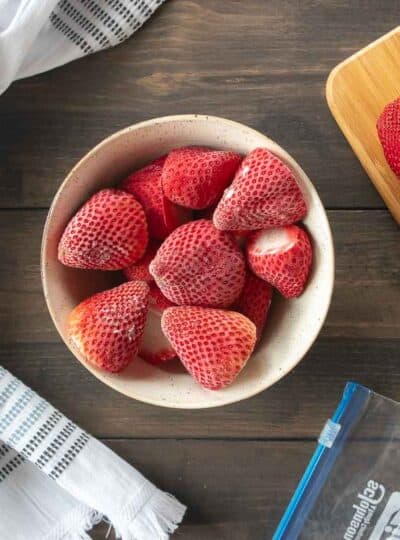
point(366, 300)
point(297, 407)
point(264, 65)
point(357, 90)
point(262, 477)
point(360, 341)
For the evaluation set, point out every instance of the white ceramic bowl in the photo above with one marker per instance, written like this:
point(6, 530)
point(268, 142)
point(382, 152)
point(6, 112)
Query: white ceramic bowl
point(293, 325)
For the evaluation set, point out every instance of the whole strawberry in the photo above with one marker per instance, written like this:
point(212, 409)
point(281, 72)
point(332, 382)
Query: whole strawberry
point(213, 344)
point(140, 270)
point(263, 194)
point(255, 301)
point(388, 127)
point(199, 265)
point(107, 327)
point(162, 215)
point(109, 232)
point(282, 257)
point(195, 177)
point(154, 346)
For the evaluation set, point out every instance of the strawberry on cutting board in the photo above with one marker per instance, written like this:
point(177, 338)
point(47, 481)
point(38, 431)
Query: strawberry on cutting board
point(195, 177)
point(163, 216)
point(388, 127)
point(255, 301)
point(107, 327)
point(154, 346)
point(109, 232)
point(263, 194)
point(140, 270)
point(282, 257)
point(199, 265)
point(213, 344)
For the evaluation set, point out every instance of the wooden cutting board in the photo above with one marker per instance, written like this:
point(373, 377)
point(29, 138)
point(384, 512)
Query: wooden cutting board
point(357, 90)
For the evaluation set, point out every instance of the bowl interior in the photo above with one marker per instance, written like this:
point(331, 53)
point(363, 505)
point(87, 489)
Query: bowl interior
point(293, 324)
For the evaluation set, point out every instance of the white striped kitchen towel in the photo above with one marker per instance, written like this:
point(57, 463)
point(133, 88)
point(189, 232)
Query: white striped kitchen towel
point(56, 481)
point(38, 35)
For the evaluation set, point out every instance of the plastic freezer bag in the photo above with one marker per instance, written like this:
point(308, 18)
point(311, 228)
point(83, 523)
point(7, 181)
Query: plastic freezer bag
point(351, 488)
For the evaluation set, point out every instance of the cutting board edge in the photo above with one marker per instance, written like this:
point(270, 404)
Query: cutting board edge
point(364, 159)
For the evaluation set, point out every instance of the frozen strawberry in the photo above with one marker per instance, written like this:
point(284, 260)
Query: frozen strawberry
point(263, 194)
point(213, 344)
point(195, 177)
point(282, 257)
point(155, 347)
point(107, 327)
point(255, 301)
point(109, 232)
point(140, 270)
point(145, 185)
point(388, 127)
point(199, 265)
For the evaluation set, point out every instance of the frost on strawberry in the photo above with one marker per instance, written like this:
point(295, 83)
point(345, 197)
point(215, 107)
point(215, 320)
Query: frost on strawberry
point(107, 327)
point(264, 194)
point(213, 344)
point(195, 177)
point(282, 257)
point(199, 265)
point(109, 232)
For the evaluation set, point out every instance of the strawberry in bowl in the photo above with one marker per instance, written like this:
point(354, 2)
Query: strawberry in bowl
point(188, 262)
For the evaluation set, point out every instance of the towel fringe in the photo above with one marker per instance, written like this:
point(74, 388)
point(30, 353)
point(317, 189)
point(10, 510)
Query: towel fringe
point(76, 524)
point(156, 520)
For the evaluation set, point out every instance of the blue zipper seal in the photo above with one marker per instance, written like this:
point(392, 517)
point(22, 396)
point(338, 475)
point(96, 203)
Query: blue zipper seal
point(349, 410)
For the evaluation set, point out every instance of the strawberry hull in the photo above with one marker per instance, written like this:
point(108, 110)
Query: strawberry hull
point(282, 257)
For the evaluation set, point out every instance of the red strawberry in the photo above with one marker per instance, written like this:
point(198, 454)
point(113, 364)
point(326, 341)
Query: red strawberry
point(140, 270)
point(155, 347)
point(107, 327)
point(214, 345)
point(388, 127)
point(199, 265)
point(255, 301)
point(263, 194)
point(282, 257)
point(109, 232)
point(145, 185)
point(195, 177)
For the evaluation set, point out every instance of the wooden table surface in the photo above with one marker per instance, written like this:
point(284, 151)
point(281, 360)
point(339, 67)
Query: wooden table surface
point(264, 64)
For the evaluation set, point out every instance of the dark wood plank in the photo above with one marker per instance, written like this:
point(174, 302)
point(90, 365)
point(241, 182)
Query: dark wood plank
point(365, 304)
point(265, 65)
point(234, 490)
point(297, 406)
point(359, 341)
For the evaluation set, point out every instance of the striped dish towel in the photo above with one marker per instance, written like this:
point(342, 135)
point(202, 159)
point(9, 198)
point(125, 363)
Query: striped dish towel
point(38, 35)
point(57, 482)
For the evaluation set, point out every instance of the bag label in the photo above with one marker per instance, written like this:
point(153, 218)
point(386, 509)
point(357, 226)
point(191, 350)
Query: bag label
point(364, 509)
point(388, 525)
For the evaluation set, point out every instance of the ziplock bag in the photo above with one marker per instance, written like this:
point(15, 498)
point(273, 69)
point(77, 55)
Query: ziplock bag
point(351, 487)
